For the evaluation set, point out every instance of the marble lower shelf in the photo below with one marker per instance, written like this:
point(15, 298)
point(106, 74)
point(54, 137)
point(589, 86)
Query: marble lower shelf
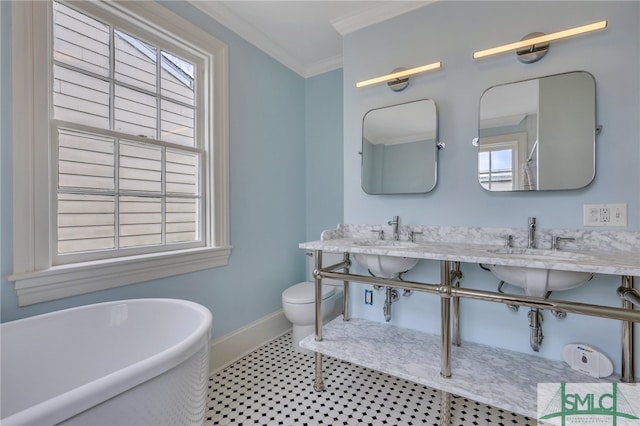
point(501, 378)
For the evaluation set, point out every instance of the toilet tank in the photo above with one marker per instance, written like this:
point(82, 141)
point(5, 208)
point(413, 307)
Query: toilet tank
point(327, 260)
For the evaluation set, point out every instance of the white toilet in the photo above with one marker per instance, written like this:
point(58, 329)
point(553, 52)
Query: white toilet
point(298, 303)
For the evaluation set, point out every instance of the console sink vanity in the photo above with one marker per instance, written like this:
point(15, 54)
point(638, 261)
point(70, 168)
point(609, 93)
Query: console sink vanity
point(501, 378)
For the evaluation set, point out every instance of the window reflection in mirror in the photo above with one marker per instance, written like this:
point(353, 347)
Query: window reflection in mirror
point(399, 152)
point(538, 134)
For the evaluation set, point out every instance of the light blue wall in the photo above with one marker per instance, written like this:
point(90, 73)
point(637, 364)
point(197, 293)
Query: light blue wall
point(450, 32)
point(268, 128)
point(324, 153)
point(4, 136)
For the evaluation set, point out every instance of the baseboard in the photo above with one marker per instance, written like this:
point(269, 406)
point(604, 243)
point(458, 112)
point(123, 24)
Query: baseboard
point(229, 348)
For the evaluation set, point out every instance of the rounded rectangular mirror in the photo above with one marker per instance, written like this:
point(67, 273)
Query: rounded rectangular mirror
point(538, 134)
point(399, 148)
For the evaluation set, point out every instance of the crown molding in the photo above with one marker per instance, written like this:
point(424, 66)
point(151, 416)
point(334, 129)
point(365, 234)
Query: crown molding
point(376, 14)
point(226, 17)
point(233, 22)
point(325, 65)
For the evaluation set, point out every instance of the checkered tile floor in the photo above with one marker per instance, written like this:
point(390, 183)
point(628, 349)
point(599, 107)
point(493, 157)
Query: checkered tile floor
point(274, 386)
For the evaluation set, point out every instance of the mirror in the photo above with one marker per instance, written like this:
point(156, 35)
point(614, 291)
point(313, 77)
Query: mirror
point(538, 134)
point(399, 148)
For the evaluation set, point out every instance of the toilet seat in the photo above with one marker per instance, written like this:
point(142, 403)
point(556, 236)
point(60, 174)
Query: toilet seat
point(305, 293)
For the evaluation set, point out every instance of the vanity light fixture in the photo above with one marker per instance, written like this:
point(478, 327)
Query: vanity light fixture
point(400, 77)
point(534, 46)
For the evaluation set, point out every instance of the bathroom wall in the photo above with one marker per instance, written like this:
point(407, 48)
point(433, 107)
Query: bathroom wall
point(324, 174)
point(450, 32)
point(268, 158)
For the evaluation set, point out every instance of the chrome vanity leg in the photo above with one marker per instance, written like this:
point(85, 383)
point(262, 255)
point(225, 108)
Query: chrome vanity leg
point(445, 408)
point(318, 266)
point(318, 384)
point(445, 309)
point(628, 367)
point(346, 316)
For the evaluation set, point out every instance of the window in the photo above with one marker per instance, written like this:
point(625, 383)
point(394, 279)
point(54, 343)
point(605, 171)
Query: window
point(498, 160)
point(496, 168)
point(128, 159)
point(124, 175)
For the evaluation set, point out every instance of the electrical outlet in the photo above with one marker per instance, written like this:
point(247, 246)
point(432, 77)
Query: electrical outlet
point(368, 297)
point(605, 214)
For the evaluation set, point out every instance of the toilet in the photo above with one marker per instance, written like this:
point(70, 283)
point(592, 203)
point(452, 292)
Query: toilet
point(298, 303)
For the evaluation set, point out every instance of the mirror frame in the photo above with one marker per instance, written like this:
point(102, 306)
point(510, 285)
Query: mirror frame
point(536, 146)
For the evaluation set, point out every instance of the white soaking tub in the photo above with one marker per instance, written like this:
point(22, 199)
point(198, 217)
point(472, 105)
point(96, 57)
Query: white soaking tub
point(133, 362)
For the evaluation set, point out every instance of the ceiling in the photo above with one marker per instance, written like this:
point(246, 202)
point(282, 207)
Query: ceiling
point(304, 35)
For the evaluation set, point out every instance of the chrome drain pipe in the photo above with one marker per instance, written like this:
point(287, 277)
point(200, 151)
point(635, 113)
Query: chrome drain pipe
point(456, 278)
point(535, 329)
point(346, 313)
point(391, 296)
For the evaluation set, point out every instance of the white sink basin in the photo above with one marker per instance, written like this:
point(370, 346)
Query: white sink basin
point(537, 282)
point(385, 266)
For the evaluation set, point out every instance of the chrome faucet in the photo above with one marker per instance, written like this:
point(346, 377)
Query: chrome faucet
point(532, 233)
point(380, 233)
point(556, 239)
point(395, 222)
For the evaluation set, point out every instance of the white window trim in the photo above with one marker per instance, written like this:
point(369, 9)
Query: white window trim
point(36, 280)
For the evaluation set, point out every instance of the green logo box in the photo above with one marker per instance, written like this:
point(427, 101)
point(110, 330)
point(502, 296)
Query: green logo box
point(588, 404)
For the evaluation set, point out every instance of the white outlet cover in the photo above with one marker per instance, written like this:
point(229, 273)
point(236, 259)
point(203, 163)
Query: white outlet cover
point(587, 360)
point(613, 215)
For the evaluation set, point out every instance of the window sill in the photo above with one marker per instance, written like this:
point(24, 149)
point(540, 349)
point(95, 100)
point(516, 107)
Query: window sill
point(71, 280)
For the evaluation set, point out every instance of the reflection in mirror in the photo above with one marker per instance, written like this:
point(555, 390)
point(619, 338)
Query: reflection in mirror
point(538, 134)
point(399, 153)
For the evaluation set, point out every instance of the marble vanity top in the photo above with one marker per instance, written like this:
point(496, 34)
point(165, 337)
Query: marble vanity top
point(604, 252)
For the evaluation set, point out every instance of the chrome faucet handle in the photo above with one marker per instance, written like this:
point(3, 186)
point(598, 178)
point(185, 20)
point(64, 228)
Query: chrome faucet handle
point(412, 235)
point(556, 239)
point(508, 239)
point(380, 233)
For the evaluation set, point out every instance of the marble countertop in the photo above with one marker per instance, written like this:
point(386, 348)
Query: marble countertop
point(615, 253)
point(494, 376)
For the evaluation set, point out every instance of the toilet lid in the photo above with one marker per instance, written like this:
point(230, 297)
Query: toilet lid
point(305, 293)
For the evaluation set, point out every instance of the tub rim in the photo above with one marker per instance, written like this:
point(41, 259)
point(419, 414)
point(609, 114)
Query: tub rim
point(83, 397)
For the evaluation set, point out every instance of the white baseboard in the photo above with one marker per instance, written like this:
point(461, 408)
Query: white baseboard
point(229, 348)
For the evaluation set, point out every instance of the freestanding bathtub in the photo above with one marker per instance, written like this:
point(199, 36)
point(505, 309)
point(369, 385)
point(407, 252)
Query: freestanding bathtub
point(133, 362)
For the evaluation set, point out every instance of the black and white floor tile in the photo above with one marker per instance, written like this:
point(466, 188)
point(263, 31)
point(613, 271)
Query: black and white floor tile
point(274, 386)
